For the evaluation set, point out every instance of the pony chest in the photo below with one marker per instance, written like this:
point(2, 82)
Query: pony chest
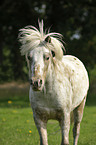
point(54, 98)
point(49, 106)
point(49, 100)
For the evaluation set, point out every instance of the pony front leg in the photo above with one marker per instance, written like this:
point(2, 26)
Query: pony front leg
point(65, 127)
point(41, 126)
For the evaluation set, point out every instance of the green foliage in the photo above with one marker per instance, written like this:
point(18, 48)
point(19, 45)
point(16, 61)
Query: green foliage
point(6, 69)
point(93, 75)
point(92, 90)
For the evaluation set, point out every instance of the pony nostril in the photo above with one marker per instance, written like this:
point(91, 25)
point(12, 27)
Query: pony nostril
point(36, 83)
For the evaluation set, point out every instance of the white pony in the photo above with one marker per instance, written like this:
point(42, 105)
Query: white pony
point(58, 84)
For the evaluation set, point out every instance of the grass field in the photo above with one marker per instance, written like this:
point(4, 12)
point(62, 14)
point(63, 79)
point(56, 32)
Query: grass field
point(17, 125)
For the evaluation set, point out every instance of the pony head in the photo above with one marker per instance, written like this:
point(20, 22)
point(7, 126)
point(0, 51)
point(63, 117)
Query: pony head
point(41, 50)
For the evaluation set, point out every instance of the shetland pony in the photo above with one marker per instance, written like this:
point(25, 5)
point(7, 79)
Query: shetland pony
point(58, 83)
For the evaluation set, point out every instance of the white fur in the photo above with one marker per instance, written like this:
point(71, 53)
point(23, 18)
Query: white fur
point(31, 38)
point(67, 86)
point(65, 80)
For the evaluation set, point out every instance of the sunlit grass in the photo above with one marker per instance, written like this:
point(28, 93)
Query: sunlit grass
point(17, 125)
point(17, 128)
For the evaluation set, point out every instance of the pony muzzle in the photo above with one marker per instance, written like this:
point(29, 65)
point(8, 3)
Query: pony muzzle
point(36, 84)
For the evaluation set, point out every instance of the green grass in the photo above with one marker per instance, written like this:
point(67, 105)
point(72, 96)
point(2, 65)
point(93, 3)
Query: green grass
point(17, 125)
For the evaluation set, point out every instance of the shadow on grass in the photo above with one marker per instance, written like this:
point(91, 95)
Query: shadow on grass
point(18, 97)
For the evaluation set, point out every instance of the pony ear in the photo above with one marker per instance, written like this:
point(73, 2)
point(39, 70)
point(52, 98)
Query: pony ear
point(48, 39)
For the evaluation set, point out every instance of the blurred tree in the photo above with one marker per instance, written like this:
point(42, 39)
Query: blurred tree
point(76, 20)
point(13, 16)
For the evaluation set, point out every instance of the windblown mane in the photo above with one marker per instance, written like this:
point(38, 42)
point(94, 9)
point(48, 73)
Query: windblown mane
point(31, 38)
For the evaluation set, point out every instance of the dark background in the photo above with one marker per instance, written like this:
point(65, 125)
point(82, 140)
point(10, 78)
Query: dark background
point(76, 20)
